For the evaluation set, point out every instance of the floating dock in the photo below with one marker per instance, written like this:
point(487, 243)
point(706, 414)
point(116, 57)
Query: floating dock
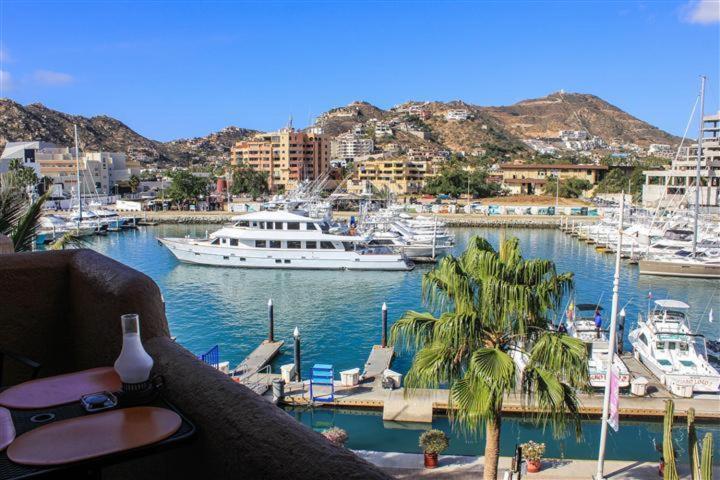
point(259, 358)
point(378, 361)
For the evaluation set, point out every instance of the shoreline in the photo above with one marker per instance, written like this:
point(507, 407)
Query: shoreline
point(451, 219)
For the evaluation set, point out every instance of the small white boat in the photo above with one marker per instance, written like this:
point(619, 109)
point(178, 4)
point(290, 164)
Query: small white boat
point(667, 346)
point(581, 324)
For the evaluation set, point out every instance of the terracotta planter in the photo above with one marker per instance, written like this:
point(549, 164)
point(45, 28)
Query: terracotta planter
point(431, 460)
point(533, 466)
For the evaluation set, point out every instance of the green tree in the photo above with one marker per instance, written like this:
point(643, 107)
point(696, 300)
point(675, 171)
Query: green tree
point(247, 181)
point(620, 181)
point(134, 183)
point(453, 181)
point(569, 188)
point(485, 307)
point(23, 176)
point(186, 187)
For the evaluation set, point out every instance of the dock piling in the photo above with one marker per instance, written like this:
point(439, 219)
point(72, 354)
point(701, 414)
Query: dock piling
point(271, 321)
point(296, 336)
point(384, 325)
point(621, 331)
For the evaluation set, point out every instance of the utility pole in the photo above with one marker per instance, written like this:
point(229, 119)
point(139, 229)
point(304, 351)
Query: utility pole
point(699, 160)
point(612, 340)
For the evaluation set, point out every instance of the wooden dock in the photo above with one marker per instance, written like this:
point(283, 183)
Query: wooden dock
point(259, 358)
point(378, 361)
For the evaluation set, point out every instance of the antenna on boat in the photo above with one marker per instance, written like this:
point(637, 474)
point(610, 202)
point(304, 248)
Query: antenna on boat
point(697, 171)
point(77, 171)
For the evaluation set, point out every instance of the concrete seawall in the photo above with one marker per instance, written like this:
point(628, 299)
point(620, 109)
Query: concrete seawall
point(452, 220)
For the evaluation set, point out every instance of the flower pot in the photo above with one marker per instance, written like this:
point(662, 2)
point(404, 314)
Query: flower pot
point(431, 460)
point(533, 466)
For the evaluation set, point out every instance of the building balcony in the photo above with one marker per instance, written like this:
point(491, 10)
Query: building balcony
point(62, 309)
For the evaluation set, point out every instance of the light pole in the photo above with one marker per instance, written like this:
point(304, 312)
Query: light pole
point(557, 190)
point(612, 339)
point(296, 336)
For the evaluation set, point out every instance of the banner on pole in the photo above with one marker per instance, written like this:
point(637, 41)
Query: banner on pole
point(614, 413)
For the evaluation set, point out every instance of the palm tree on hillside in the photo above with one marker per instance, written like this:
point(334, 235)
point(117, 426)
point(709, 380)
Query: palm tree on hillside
point(485, 308)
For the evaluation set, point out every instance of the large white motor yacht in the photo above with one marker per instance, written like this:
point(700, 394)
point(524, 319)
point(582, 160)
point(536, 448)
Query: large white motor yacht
point(581, 325)
point(283, 239)
point(666, 345)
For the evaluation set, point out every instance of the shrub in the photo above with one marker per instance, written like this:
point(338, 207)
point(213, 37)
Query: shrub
point(434, 441)
point(336, 435)
point(532, 451)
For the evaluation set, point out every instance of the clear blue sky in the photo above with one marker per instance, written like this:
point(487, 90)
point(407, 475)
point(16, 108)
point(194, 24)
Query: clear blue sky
point(178, 69)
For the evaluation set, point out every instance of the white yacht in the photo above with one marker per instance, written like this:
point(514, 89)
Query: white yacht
point(581, 324)
point(282, 239)
point(671, 351)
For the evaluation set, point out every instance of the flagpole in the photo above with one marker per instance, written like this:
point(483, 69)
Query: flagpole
point(611, 348)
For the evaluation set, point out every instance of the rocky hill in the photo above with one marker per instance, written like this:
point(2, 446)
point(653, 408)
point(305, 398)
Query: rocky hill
point(504, 130)
point(37, 122)
point(544, 117)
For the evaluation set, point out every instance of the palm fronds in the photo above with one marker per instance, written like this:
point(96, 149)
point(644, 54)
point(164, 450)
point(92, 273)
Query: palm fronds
point(68, 240)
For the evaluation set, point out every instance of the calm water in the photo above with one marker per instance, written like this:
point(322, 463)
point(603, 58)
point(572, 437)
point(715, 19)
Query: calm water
point(367, 431)
point(338, 314)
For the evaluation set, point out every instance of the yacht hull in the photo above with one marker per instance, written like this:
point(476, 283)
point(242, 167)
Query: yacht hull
point(678, 269)
point(700, 383)
point(189, 251)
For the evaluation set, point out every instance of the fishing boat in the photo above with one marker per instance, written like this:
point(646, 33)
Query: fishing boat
point(580, 323)
point(667, 346)
point(281, 239)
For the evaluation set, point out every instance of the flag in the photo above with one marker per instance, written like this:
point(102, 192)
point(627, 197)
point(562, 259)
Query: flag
point(614, 417)
point(649, 295)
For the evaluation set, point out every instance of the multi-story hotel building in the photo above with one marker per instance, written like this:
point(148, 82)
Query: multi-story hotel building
point(401, 175)
point(524, 178)
point(676, 185)
point(288, 156)
point(349, 145)
point(100, 172)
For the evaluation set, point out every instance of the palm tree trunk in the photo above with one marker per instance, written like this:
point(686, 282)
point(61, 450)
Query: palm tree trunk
point(492, 448)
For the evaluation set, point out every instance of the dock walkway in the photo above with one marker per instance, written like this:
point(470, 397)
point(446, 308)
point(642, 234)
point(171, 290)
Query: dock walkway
point(378, 361)
point(259, 358)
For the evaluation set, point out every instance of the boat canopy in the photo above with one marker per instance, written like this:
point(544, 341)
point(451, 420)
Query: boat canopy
point(672, 304)
point(585, 307)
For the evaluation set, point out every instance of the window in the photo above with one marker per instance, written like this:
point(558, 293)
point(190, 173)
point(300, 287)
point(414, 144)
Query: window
point(233, 242)
point(226, 258)
point(349, 246)
point(311, 245)
point(327, 246)
point(287, 261)
point(253, 224)
point(223, 240)
point(643, 338)
point(275, 244)
point(215, 242)
point(684, 347)
point(278, 226)
point(259, 243)
point(660, 345)
point(312, 226)
point(293, 244)
point(672, 345)
point(293, 226)
point(243, 223)
point(242, 259)
point(278, 260)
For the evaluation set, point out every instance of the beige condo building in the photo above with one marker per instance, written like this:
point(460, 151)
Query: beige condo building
point(287, 156)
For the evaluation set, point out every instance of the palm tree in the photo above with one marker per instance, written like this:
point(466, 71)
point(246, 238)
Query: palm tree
point(20, 217)
point(488, 308)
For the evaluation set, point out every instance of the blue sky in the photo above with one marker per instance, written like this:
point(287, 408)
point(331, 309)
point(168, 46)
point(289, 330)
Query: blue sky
point(178, 69)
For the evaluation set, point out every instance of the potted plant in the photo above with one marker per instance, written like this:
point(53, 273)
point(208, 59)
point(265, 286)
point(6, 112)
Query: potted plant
point(433, 442)
point(533, 452)
point(336, 435)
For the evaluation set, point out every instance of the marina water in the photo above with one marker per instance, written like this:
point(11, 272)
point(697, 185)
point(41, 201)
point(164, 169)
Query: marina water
point(338, 312)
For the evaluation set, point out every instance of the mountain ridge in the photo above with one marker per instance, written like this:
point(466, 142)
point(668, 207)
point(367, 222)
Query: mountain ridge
point(505, 127)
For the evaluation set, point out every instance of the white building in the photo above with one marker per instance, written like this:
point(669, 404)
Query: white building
point(457, 115)
point(573, 135)
point(676, 185)
point(382, 130)
point(100, 172)
point(661, 150)
point(349, 145)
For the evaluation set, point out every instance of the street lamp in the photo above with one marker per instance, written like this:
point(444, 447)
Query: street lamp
point(557, 190)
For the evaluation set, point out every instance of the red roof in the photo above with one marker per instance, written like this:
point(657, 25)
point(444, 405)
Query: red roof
point(550, 166)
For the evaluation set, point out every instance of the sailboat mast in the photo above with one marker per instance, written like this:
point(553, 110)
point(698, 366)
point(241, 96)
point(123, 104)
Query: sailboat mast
point(699, 161)
point(77, 171)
